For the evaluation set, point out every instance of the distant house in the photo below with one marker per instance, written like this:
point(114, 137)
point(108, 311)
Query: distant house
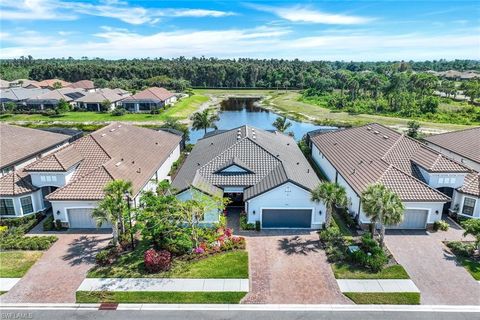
point(52, 83)
point(25, 83)
point(4, 84)
point(72, 180)
point(86, 85)
point(424, 179)
point(51, 98)
point(464, 147)
point(21, 146)
point(19, 95)
point(149, 99)
point(263, 172)
point(92, 101)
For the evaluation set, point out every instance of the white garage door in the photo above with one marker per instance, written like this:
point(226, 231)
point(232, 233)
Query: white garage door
point(82, 218)
point(413, 219)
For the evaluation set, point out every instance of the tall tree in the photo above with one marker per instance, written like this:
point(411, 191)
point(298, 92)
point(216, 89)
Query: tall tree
point(331, 194)
point(113, 208)
point(282, 124)
point(383, 207)
point(204, 120)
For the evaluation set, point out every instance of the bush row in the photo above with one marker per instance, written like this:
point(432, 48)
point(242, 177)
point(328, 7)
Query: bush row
point(27, 243)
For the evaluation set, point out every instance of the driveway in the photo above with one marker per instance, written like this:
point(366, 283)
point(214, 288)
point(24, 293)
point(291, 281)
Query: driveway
point(432, 267)
point(60, 271)
point(290, 268)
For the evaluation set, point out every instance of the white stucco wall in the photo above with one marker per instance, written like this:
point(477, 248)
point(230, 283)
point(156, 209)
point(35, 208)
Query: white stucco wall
point(61, 178)
point(327, 168)
point(458, 200)
point(467, 162)
point(59, 208)
point(432, 208)
point(37, 203)
point(296, 198)
point(438, 180)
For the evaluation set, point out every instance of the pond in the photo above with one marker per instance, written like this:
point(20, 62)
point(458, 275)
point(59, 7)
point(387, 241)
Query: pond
point(235, 112)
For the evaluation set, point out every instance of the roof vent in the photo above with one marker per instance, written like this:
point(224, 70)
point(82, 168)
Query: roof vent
point(156, 143)
point(278, 156)
point(113, 129)
point(198, 163)
point(354, 171)
point(139, 170)
point(298, 163)
point(118, 163)
point(369, 128)
point(119, 125)
point(288, 144)
point(385, 137)
point(376, 132)
point(211, 143)
point(133, 161)
point(308, 170)
point(104, 134)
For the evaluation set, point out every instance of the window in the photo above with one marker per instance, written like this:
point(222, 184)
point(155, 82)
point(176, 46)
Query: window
point(453, 180)
point(468, 206)
point(440, 180)
point(447, 180)
point(42, 178)
point(27, 206)
point(6, 207)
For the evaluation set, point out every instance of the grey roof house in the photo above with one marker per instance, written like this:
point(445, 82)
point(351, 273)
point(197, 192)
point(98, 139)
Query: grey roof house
point(92, 101)
point(358, 157)
point(263, 172)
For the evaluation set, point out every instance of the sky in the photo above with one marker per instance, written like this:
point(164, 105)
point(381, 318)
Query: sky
point(307, 30)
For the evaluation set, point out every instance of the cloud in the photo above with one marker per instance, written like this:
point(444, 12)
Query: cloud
point(260, 42)
point(306, 14)
point(121, 10)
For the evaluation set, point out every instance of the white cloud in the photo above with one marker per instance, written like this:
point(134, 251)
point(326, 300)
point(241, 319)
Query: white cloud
point(261, 42)
point(306, 14)
point(121, 10)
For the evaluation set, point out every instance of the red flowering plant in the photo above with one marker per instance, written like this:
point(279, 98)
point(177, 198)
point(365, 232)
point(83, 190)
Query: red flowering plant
point(156, 261)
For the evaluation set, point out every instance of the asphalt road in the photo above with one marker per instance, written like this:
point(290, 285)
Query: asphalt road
point(233, 315)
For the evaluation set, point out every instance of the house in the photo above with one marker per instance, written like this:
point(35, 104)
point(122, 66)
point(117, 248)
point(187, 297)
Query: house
point(51, 98)
point(86, 85)
point(92, 101)
point(19, 95)
point(72, 179)
point(263, 172)
point(53, 84)
point(21, 146)
point(149, 99)
point(4, 84)
point(25, 83)
point(464, 147)
point(358, 157)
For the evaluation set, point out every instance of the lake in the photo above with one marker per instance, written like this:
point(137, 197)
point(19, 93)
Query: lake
point(235, 112)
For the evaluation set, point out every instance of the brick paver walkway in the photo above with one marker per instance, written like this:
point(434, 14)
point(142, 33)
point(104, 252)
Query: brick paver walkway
point(290, 269)
point(432, 267)
point(59, 272)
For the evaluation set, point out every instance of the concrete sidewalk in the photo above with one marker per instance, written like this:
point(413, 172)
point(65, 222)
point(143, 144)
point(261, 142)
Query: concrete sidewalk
point(7, 283)
point(164, 284)
point(380, 285)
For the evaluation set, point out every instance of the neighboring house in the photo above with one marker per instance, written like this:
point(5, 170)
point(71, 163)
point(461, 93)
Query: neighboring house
point(149, 99)
point(19, 95)
point(25, 83)
point(263, 172)
point(92, 101)
point(21, 146)
point(4, 84)
point(464, 147)
point(72, 179)
point(51, 99)
point(86, 85)
point(358, 157)
point(52, 83)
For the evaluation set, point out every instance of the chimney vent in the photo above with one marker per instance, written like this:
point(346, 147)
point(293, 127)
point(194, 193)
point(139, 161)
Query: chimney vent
point(385, 137)
point(376, 132)
point(139, 170)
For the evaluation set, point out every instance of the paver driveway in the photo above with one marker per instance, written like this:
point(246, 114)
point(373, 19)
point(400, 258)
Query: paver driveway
point(433, 268)
point(60, 271)
point(290, 269)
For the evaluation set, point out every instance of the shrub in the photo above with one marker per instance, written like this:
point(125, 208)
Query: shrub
point(441, 225)
point(3, 230)
point(370, 256)
point(464, 249)
point(179, 245)
point(330, 235)
point(156, 261)
point(244, 225)
point(103, 258)
point(48, 224)
point(16, 242)
point(118, 112)
point(23, 224)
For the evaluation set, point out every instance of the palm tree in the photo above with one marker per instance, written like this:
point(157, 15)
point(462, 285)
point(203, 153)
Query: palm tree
point(382, 206)
point(113, 207)
point(332, 194)
point(204, 120)
point(281, 124)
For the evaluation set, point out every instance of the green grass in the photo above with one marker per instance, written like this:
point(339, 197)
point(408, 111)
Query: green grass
point(158, 297)
point(345, 271)
point(384, 297)
point(220, 266)
point(181, 110)
point(344, 229)
point(472, 266)
point(14, 264)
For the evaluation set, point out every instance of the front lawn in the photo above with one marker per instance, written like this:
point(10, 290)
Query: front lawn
point(464, 252)
point(227, 265)
point(384, 297)
point(14, 264)
point(472, 266)
point(346, 271)
point(158, 297)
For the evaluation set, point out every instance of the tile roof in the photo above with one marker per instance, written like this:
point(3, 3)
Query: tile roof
point(465, 143)
point(82, 84)
point(376, 154)
point(270, 159)
point(152, 94)
point(19, 143)
point(471, 185)
point(100, 96)
point(51, 82)
point(18, 94)
point(67, 94)
point(16, 183)
point(61, 160)
point(117, 151)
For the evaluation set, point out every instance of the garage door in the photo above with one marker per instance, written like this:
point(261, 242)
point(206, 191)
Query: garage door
point(82, 218)
point(286, 218)
point(413, 219)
